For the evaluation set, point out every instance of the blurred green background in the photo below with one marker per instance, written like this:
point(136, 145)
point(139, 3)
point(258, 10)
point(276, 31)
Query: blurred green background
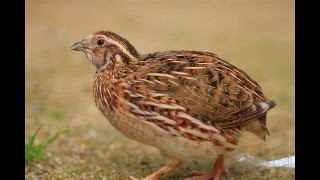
point(255, 35)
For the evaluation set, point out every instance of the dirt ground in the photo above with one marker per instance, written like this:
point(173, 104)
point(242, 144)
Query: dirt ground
point(257, 36)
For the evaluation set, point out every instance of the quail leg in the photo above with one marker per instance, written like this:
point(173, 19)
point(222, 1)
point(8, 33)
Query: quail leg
point(170, 166)
point(215, 174)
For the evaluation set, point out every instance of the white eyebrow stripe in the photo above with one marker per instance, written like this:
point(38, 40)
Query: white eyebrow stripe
point(122, 47)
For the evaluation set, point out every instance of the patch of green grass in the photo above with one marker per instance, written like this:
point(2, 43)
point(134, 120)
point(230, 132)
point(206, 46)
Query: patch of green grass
point(58, 114)
point(33, 151)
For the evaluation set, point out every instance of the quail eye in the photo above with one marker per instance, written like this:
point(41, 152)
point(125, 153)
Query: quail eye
point(100, 42)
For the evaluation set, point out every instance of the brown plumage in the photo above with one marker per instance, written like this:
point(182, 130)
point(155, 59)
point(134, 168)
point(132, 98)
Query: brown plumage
point(188, 104)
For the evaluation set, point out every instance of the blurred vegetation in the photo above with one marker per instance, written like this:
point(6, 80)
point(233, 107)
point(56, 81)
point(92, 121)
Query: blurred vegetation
point(33, 151)
point(256, 36)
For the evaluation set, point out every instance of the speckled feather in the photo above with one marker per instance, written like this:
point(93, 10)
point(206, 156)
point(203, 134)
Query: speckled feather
point(213, 89)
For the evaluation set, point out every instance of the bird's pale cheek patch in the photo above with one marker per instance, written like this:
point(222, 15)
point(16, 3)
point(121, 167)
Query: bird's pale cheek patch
point(89, 55)
point(93, 57)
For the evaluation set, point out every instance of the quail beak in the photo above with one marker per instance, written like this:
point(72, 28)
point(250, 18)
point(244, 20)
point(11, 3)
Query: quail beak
point(78, 46)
